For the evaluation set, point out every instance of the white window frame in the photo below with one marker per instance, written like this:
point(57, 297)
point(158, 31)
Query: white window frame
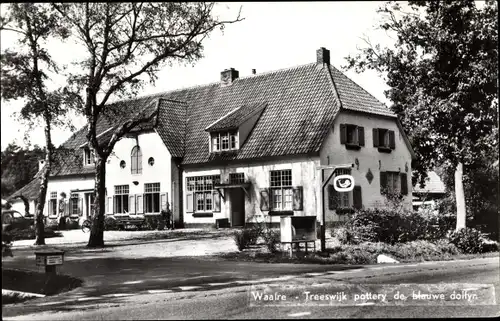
point(282, 190)
point(136, 160)
point(121, 192)
point(73, 201)
point(219, 139)
point(150, 189)
point(203, 189)
point(88, 157)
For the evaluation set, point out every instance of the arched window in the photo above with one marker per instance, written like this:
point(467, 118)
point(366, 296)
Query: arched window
point(136, 160)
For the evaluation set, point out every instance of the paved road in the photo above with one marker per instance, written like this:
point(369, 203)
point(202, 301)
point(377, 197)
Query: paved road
point(231, 299)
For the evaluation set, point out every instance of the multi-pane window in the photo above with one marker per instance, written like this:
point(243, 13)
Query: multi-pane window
point(73, 204)
point(236, 178)
point(121, 199)
point(281, 189)
point(224, 141)
point(203, 187)
point(393, 182)
point(88, 156)
point(53, 203)
point(152, 197)
point(136, 160)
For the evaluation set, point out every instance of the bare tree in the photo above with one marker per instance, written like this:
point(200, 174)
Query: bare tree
point(126, 44)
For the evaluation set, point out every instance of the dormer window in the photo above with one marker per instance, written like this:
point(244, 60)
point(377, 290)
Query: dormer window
point(88, 157)
point(224, 141)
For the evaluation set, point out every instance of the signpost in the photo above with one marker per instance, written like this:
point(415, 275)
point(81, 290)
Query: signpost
point(323, 184)
point(50, 258)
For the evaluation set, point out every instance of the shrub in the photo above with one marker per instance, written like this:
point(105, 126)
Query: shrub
point(154, 223)
point(468, 240)
point(344, 235)
point(272, 239)
point(243, 238)
point(392, 226)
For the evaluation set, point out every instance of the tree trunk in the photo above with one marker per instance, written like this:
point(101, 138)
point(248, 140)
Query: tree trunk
point(42, 195)
point(460, 197)
point(96, 238)
point(26, 204)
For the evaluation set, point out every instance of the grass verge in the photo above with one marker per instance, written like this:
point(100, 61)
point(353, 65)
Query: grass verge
point(37, 282)
point(365, 253)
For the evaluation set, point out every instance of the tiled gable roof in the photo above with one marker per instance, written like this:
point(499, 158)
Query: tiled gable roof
point(301, 104)
point(171, 125)
point(236, 117)
point(355, 98)
point(69, 162)
point(30, 190)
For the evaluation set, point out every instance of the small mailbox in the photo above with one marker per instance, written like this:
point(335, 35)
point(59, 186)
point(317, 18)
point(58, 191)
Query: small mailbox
point(49, 258)
point(298, 229)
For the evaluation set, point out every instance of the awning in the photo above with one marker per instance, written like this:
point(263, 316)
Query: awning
point(243, 186)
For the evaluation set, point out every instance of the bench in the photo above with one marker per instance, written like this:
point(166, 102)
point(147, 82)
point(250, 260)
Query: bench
point(126, 220)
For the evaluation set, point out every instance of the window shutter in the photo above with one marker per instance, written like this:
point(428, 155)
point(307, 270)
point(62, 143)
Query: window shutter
point(375, 137)
point(332, 197)
point(264, 199)
point(216, 197)
point(404, 184)
point(48, 209)
point(131, 204)
point(80, 206)
point(189, 202)
point(361, 136)
point(343, 133)
point(392, 140)
point(383, 182)
point(297, 198)
point(106, 205)
point(356, 197)
point(139, 205)
point(163, 201)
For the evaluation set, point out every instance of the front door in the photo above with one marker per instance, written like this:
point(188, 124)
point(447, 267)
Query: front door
point(237, 207)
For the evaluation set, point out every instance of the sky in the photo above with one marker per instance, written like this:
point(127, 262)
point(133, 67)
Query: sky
point(272, 36)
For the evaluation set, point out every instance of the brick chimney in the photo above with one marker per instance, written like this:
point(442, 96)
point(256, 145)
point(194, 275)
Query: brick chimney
point(323, 56)
point(228, 76)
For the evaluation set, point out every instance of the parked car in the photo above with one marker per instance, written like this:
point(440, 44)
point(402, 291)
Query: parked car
point(12, 219)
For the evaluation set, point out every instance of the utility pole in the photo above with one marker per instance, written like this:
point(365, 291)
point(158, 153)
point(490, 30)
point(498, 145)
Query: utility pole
point(322, 168)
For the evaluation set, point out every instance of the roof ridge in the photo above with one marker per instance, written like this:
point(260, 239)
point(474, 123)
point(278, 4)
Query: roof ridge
point(277, 70)
point(210, 84)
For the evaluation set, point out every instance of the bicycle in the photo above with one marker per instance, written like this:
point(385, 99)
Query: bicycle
point(108, 223)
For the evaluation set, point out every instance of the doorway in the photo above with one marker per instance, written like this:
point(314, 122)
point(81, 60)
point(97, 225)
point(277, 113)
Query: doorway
point(237, 207)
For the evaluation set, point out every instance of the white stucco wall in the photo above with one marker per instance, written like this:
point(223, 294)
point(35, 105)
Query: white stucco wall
point(368, 157)
point(304, 174)
point(151, 146)
point(18, 205)
point(68, 184)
